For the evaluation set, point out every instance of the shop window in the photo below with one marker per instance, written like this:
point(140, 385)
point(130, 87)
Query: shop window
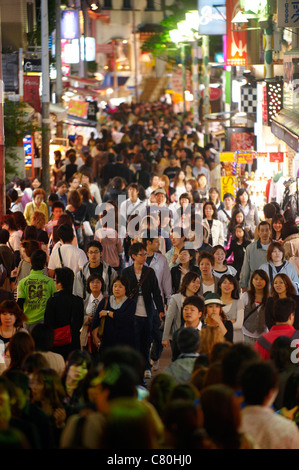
point(107, 4)
point(127, 5)
point(150, 5)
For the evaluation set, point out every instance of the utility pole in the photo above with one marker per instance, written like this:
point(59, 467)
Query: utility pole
point(2, 152)
point(45, 98)
point(58, 53)
point(135, 51)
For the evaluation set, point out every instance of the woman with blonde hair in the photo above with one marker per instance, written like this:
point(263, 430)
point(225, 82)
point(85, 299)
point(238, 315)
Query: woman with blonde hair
point(209, 336)
point(38, 220)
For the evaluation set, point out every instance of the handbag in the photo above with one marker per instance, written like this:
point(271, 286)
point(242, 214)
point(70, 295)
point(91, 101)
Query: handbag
point(62, 336)
point(102, 322)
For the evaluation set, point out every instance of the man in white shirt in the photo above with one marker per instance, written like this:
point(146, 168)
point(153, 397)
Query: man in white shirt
point(199, 168)
point(66, 255)
point(224, 215)
point(193, 309)
point(131, 206)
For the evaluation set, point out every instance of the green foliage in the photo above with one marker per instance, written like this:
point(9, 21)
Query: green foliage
point(16, 126)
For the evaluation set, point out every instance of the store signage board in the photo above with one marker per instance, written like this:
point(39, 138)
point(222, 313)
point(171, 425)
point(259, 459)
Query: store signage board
point(236, 40)
point(227, 156)
point(212, 17)
point(276, 157)
point(287, 14)
point(228, 185)
point(32, 65)
point(69, 24)
point(78, 108)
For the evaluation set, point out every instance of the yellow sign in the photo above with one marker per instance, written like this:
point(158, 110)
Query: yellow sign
point(228, 185)
point(227, 156)
point(78, 108)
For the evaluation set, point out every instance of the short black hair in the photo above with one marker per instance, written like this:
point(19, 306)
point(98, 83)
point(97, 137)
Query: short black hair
point(43, 336)
point(4, 236)
point(283, 308)
point(58, 204)
point(65, 233)
point(65, 276)
point(95, 244)
point(188, 340)
point(234, 362)
point(91, 278)
point(135, 248)
point(38, 260)
point(196, 301)
point(257, 380)
point(227, 195)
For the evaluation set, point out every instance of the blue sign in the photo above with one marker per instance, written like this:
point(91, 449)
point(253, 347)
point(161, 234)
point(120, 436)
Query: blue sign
point(28, 149)
point(69, 24)
point(212, 17)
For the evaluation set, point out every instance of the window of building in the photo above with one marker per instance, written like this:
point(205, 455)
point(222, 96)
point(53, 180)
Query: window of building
point(107, 4)
point(127, 5)
point(150, 5)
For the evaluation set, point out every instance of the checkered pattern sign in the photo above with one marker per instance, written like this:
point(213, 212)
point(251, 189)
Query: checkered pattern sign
point(249, 99)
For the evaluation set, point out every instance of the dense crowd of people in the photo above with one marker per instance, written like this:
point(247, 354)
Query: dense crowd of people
point(135, 252)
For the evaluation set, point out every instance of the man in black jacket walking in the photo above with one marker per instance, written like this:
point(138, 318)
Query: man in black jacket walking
point(144, 288)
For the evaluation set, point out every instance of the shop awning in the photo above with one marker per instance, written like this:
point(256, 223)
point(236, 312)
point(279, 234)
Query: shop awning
point(285, 126)
point(109, 79)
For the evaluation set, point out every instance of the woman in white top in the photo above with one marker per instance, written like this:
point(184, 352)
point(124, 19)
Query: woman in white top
point(212, 224)
point(220, 266)
point(94, 285)
point(179, 184)
point(228, 289)
point(254, 301)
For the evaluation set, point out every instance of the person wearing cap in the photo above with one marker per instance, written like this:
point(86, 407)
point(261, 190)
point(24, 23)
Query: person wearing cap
point(193, 310)
point(214, 315)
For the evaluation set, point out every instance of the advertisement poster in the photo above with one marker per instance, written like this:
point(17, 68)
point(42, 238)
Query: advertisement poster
point(31, 92)
point(236, 38)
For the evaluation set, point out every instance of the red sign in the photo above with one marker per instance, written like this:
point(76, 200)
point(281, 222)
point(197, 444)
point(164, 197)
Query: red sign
point(276, 157)
point(31, 91)
point(236, 40)
point(215, 93)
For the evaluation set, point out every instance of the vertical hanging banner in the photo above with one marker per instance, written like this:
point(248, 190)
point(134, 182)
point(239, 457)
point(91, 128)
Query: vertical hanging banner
point(236, 39)
point(31, 91)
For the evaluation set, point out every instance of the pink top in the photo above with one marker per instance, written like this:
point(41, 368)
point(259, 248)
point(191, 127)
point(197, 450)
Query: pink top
point(112, 245)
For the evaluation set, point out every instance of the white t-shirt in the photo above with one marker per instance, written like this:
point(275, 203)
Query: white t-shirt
point(140, 309)
point(72, 257)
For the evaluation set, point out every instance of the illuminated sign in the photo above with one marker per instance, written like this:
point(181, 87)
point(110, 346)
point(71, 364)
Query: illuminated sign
point(212, 17)
point(69, 24)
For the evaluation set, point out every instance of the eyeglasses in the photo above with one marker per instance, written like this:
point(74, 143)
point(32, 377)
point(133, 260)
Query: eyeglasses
point(93, 252)
point(142, 254)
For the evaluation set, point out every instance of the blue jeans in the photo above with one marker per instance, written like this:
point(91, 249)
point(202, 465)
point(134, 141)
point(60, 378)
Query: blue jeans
point(143, 329)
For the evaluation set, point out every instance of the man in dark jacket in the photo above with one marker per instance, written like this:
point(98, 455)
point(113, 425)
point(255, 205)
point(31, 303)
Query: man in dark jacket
point(144, 288)
point(64, 309)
